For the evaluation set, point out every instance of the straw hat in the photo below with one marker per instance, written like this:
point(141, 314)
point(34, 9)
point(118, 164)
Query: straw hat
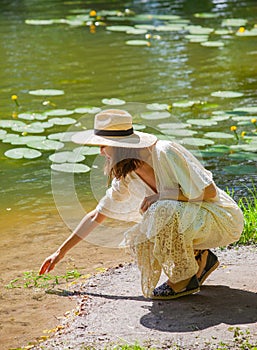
point(113, 127)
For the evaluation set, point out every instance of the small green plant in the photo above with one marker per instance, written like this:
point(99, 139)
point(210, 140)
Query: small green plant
point(32, 279)
point(248, 205)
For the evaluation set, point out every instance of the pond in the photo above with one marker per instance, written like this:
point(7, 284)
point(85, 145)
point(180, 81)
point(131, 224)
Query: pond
point(187, 70)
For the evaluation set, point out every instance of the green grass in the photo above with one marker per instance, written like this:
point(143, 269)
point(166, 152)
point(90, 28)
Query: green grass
point(248, 205)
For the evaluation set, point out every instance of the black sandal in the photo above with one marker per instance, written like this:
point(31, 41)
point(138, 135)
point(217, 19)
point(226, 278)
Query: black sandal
point(211, 264)
point(164, 291)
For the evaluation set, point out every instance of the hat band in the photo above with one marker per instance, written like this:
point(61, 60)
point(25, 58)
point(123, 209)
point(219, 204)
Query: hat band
point(127, 132)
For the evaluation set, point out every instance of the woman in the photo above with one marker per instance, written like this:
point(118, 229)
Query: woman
point(179, 211)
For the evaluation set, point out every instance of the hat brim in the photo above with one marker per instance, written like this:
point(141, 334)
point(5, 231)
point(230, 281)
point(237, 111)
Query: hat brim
point(136, 140)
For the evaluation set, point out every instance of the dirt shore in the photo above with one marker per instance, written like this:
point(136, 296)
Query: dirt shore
point(111, 310)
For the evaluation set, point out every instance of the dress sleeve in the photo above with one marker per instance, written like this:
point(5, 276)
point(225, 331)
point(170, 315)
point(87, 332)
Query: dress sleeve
point(121, 202)
point(185, 169)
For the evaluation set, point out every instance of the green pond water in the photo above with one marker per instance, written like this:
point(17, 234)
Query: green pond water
point(89, 62)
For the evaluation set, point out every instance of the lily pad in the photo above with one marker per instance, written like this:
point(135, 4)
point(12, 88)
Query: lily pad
point(245, 33)
point(47, 145)
point(173, 125)
point(245, 147)
point(2, 134)
point(119, 28)
point(206, 15)
point(46, 92)
point(244, 156)
point(9, 138)
point(179, 132)
point(155, 115)
point(59, 113)
point(174, 27)
point(30, 128)
point(240, 170)
point(113, 101)
point(39, 22)
point(62, 121)
point(136, 31)
point(234, 22)
point(32, 116)
point(70, 168)
point(139, 127)
point(196, 38)
point(66, 157)
point(202, 122)
point(184, 104)
point(251, 109)
point(227, 94)
point(197, 142)
point(220, 117)
point(24, 140)
point(87, 150)
point(62, 136)
point(213, 43)
point(199, 30)
point(219, 135)
point(222, 32)
point(11, 123)
point(145, 26)
point(19, 153)
point(157, 106)
point(138, 43)
point(87, 109)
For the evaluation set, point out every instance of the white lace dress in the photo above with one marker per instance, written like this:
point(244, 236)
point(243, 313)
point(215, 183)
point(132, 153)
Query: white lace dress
point(164, 238)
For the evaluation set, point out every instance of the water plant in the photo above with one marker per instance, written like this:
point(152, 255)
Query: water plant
point(32, 279)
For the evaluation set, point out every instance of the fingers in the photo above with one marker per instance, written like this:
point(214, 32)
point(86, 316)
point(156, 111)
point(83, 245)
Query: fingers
point(46, 267)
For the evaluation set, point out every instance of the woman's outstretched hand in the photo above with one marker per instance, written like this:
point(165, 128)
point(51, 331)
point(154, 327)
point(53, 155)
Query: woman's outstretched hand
point(50, 263)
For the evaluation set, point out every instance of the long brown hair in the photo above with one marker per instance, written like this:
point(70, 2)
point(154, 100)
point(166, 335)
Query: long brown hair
point(124, 161)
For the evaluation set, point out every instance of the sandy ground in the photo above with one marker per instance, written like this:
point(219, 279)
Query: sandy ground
point(111, 310)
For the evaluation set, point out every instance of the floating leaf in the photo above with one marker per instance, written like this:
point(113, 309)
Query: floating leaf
point(199, 30)
point(62, 136)
point(179, 132)
point(47, 145)
point(24, 140)
point(245, 147)
point(11, 123)
point(2, 134)
point(39, 22)
point(145, 26)
point(113, 101)
point(184, 104)
point(19, 153)
point(139, 127)
point(87, 109)
point(222, 32)
point(202, 122)
point(155, 115)
point(119, 28)
point(173, 125)
point(234, 22)
point(9, 138)
point(30, 128)
point(245, 32)
point(32, 116)
point(219, 135)
point(252, 109)
point(213, 43)
point(206, 15)
point(46, 92)
point(70, 168)
point(227, 94)
point(170, 27)
point(196, 38)
point(59, 112)
point(244, 156)
point(157, 106)
point(138, 42)
point(240, 170)
point(167, 17)
point(87, 150)
point(219, 118)
point(66, 156)
point(136, 31)
point(62, 121)
point(197, 142)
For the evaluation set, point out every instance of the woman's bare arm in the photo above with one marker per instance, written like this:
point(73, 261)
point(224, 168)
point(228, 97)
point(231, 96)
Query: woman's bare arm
point(87, 224)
